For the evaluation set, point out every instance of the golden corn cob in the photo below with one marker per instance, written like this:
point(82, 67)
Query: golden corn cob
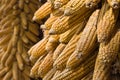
point(114, 3)
point(39, 49)
point(59, 3)
point(66, 36)
point(91, 3)
point(34, 70)
point(106, 23)
point(46, 65)
point(107, 54)
point(58, 51)
point(88, 76)
point(75, 7)
point(50, 74)
point(79, 72)
point(86, 43)
point(60, 62)
point(64, 23)
point(50, 21)
point(43, 11)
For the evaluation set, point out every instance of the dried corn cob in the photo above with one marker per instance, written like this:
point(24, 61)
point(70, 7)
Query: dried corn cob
point(58, 51)
point(34, 70)
point(106, 23)
point(107, 54)
point(50, 74)
point(8, 75)
point(60, 62)
point(43, 11)
point(114, 3)
point(66, 36)
point(38, 50)
point(91, 3)
point(64, 23)
point(79, 72)
point(86, 43)
point(59, 3)
point(46, 65)
point(15, 71)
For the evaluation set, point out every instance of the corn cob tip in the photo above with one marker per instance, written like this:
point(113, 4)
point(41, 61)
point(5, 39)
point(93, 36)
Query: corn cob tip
point(43, 27)
point(52, 32)
point(115, 5)
point(33, 59)
point(68, 11)
point(34, 18)
point(57, 5)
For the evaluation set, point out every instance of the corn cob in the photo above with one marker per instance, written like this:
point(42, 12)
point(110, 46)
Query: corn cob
point(50, 74)
point(107, 54)
point(58, 51)
point(66, 36)
point(79, 72)
point(43, 11)
point(106, 23)
point(75, 7)
point(59, 3)
point(57, 73)
point(64, 23)
point(86, 43)
point(91, 3)
point(46, 65)
point(60, 62)
point(34, 70)
point(88, 76)
point(50, 21)
point(39, 49)
point(114, 3)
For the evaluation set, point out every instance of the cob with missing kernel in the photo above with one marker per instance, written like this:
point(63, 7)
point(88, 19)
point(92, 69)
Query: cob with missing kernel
point(107, 54)
point(86, 43)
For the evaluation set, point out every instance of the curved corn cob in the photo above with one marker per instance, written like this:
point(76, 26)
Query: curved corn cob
point(86, 43)
point(107, 54)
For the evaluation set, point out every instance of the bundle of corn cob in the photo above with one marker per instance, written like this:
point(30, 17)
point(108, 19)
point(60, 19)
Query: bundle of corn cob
point(81, 40)
point(17, 34)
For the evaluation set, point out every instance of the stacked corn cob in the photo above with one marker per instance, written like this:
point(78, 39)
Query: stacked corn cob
point(81, 40)
point(17, 34)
